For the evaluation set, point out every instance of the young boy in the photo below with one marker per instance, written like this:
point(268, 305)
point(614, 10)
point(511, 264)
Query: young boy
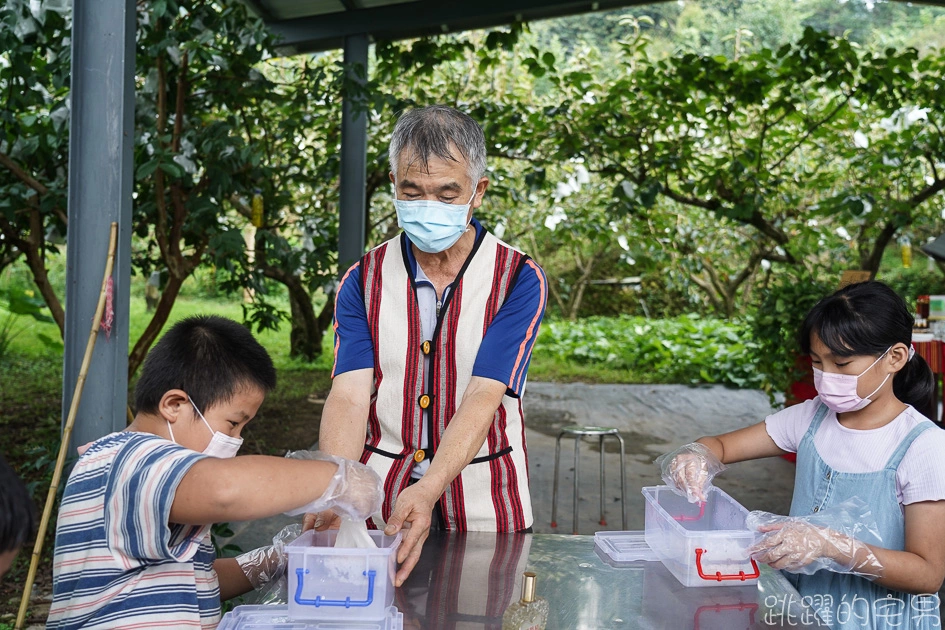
point(133, 545)
point(17, 516)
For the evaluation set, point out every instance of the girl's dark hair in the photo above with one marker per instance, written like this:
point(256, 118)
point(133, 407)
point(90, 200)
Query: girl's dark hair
point(211, 358)
point(868, 318)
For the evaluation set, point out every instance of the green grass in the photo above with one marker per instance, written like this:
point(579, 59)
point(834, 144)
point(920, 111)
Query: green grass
point(27, 342)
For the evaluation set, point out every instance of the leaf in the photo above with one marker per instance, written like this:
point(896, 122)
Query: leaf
point(173, 169)
point(145, 170)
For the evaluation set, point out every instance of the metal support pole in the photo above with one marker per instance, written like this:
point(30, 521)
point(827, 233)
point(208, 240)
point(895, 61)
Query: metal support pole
point(352, 219)
point(577, 483)
point(554, 491)
point(101, 134)
point(603, 520)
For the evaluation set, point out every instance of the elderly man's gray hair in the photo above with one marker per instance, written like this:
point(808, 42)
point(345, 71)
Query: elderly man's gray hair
point(438, 131)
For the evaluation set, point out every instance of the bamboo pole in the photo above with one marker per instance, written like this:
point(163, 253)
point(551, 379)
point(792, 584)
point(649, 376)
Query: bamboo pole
point(67, 430)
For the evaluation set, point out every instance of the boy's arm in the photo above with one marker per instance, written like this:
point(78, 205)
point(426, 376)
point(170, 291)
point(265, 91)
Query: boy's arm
point(233, 582)
point(245, 488)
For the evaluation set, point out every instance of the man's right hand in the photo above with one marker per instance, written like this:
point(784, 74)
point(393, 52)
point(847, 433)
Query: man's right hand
point(413, 511)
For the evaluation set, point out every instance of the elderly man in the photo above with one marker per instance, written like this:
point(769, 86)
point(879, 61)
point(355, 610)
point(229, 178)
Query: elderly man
point(433, 335)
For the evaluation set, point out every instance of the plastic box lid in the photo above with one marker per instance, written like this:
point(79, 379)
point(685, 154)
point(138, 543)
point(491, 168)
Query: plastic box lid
point(627, 546)
point(277, 618)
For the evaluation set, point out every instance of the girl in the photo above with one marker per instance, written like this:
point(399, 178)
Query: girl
point(860, 437)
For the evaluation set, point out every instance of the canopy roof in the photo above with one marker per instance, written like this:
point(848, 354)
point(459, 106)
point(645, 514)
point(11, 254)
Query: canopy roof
point(314, 25)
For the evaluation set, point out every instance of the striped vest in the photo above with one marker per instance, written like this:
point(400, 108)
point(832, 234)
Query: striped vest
point(491, 493)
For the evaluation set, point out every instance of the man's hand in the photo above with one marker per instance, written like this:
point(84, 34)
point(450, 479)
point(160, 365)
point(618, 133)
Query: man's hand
point(413, 511)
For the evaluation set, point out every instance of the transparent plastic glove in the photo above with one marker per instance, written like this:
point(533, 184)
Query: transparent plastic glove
point(690, 470)
point(262, 566)
point(829, 540)
point(275, 591)
point(355, 491)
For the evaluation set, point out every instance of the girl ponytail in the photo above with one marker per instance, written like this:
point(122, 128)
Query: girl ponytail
point(914, 385)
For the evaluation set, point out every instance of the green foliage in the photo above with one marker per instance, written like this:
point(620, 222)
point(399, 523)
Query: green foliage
point(784, 305)
point(218, 533)
point(19, 303)
point(687, 349)
point(920, 279)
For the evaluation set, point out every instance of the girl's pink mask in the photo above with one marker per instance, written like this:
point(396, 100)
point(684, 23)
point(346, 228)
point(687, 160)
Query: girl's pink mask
point(838, 391)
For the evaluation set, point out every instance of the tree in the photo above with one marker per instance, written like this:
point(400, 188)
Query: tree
point(752, 140)
point(206, 120)
point(34, 84)
point(197, 149)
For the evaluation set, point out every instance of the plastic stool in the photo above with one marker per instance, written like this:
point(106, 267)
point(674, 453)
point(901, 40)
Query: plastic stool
point(578, 432)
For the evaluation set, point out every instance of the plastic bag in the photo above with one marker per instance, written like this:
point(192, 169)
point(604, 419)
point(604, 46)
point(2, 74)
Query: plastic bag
point(354, 535)
point(835, 539)
point(689, 470)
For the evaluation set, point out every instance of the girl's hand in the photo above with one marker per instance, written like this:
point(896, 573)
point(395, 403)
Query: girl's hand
point(793, 544)
point(690, 470)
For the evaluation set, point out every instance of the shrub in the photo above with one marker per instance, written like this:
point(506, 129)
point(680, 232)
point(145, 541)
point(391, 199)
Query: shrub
point(687, 349)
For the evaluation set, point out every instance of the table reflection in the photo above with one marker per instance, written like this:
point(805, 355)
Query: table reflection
point(466, 581)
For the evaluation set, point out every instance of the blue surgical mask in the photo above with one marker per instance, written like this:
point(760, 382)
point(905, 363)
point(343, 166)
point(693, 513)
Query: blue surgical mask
point(431, 225)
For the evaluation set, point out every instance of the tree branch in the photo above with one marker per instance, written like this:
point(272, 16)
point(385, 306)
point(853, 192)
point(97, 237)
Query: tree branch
point(22, 175)
point(929, 192)
point(810, 132)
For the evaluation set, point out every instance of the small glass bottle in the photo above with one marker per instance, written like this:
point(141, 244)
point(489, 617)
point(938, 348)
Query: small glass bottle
point(531, 613)
point(922, 311)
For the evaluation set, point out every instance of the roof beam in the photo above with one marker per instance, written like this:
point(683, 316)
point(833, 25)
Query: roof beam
point(424, 17)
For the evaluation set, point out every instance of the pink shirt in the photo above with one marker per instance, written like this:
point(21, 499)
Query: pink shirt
point(921, 475)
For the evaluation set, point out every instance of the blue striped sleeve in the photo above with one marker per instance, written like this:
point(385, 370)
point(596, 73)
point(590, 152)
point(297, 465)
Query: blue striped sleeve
point(141, 488)
point(506, 349)
point(354, 349)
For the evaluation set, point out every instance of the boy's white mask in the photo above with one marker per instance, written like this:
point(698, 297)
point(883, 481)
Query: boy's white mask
point(221, 445)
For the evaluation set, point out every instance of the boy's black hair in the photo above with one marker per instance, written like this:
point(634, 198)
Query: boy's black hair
point(868, 318)
point(211, 358)
point(17, 510)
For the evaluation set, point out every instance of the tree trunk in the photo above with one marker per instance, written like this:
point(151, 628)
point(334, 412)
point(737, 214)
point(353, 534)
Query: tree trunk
point(37, 265)
point(161, 313)
point(872, 261)
point(326, 317)
point(305, 338)
point(308, 330)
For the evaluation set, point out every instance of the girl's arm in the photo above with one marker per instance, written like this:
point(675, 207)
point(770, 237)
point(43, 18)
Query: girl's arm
point(737, 446)
point(246, 488)
point(920, 568)
point(233, 582)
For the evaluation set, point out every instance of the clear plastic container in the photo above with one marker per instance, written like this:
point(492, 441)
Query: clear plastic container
point(341, 584)
point(702, 544)
point(277, 618)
